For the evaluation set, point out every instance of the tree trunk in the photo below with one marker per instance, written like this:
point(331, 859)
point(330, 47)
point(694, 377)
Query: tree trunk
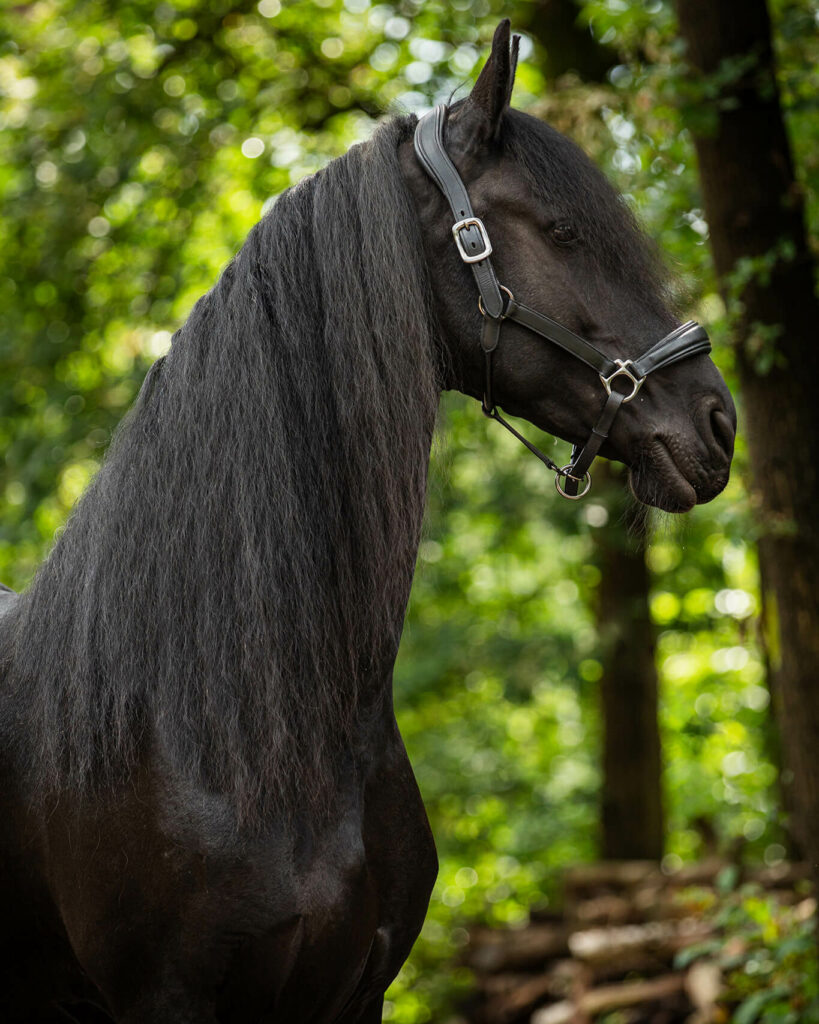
point(569, 45)
point(754, 208)
point(631, 811)
point(632, 817)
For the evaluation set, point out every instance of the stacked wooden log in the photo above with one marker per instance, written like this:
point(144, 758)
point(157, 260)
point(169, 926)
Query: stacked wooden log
point(612, 948)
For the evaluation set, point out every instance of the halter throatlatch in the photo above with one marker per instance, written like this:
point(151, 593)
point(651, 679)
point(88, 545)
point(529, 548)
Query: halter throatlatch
point(497, 304)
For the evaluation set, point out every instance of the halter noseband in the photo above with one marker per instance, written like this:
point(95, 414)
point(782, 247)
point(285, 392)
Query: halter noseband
point(475, 249)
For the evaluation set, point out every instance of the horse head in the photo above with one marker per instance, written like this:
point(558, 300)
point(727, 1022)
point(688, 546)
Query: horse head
point(565, 251)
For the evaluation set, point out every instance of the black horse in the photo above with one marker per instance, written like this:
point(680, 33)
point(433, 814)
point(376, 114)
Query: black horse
point(208, 813)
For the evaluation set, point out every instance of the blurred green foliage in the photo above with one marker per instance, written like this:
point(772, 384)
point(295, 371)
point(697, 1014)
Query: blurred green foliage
point(766, 951)
point(142, 140)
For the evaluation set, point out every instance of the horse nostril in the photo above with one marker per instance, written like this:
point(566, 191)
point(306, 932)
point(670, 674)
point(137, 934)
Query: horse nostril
point(723, 431)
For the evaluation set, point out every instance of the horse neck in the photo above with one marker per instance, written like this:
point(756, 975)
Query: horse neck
point(240, 568)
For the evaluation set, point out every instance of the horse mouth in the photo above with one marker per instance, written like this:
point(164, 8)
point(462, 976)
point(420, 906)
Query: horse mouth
point(657, 480)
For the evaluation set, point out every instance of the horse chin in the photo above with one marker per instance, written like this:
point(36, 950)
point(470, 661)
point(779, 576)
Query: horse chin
point(657, 480)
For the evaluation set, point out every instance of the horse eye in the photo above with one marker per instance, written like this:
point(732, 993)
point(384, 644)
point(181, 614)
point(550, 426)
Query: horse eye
point(563, 234)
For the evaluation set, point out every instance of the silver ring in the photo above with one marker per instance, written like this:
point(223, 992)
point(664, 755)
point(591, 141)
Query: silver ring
point(580, 494)
point(503, 288)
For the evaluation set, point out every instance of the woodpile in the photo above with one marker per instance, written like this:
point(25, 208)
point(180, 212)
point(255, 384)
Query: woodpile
point(613, 948)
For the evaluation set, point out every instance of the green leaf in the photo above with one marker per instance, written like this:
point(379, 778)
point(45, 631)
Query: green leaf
point(691, 953)
point(750, 1010)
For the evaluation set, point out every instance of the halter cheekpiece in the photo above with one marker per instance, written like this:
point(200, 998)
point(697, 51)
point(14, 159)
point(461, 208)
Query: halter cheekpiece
point(497, 304)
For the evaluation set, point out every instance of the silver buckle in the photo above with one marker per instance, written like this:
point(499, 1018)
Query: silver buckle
point(623, 371)
point(469, 222)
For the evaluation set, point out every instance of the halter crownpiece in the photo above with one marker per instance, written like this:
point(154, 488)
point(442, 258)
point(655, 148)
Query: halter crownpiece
point(497, 304)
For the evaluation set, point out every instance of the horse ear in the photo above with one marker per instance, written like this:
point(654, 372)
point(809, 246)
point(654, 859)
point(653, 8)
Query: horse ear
point(480, 116)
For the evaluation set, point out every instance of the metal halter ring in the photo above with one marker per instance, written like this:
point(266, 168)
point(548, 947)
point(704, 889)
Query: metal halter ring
point(623, 371)
point(580, 494)
point(503, 288)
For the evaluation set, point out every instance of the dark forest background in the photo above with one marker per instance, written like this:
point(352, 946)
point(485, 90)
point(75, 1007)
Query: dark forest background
point(575, 682)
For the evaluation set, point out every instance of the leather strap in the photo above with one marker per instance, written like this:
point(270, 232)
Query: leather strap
point(544, 458)
point(582, 459)
point(490, 337)
point(688, 339)
point(430, 150)
point(560, 335)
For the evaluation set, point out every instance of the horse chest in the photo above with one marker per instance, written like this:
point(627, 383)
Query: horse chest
point(301, 924)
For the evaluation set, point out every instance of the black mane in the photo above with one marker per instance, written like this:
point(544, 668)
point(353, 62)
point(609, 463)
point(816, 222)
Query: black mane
point(237, 573)
point(231, 588)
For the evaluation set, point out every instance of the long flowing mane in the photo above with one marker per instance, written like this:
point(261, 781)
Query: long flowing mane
point(236, 576)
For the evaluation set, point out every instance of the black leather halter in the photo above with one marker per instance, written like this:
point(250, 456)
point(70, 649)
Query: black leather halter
point(475, 249)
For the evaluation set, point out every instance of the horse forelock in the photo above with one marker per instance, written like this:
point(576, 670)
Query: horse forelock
point(563, 177)
point(230, 590)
